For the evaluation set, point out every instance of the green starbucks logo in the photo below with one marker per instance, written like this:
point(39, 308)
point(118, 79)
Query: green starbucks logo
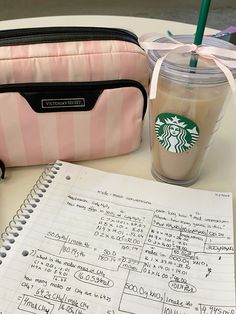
point(176, 133)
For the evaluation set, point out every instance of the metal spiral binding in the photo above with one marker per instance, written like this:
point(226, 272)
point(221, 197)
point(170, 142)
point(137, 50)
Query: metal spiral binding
point(27, 208)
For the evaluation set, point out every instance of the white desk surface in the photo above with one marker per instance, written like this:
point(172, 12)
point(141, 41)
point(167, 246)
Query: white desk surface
point(219, 172)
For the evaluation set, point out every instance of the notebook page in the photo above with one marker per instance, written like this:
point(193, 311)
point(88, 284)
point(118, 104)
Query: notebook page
point(106, 244)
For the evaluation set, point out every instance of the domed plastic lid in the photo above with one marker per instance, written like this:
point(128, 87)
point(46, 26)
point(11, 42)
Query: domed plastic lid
point(177, 64)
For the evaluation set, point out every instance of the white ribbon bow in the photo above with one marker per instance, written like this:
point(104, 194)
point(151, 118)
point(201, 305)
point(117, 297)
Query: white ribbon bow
point(218, 55)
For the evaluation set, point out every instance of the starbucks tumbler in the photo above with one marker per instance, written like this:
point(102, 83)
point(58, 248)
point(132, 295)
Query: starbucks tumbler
point(186, 112)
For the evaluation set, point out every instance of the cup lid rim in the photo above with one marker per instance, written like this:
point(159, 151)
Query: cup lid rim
point(199, 73)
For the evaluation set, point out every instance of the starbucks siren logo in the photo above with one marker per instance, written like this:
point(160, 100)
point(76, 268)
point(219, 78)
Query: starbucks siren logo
point(176, 133)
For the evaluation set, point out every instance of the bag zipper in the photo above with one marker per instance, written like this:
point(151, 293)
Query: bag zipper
point(24, 36)
point(67, 86)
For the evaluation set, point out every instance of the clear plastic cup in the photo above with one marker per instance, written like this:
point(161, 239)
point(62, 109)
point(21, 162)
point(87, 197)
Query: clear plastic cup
point(186, 113)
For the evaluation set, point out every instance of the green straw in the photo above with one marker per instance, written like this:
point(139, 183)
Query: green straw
point(200, 27)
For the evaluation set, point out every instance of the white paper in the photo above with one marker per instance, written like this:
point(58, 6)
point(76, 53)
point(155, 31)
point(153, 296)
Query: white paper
point(100, 243)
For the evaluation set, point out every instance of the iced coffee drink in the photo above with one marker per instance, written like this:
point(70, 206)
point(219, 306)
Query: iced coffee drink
point(184, 117)
point(183, 122)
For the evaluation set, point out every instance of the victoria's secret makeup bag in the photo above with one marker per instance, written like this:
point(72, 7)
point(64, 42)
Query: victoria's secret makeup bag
point(70, 93)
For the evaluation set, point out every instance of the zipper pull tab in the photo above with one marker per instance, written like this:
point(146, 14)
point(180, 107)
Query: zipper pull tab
point(2, 170)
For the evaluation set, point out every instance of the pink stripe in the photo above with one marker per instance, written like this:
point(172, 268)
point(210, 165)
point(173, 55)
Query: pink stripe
point(128, 62)
point(21, 65)
point(38, 51)
point(130, 123)
point(110, 61)
point(99, 113)
point(98, 129)
point(114, 97)
point(79, 68)
point(23, 72)
point(5, 66)
point(19, 52)
point(58, 63)
point(65, 135)
point(40, 64)
point(94, 60)
point(59, 69)
point(4, 155)
point(82, 135)
point(48, 136)
point(30, 132)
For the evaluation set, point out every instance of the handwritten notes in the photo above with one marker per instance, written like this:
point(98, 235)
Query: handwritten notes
point(96, 246)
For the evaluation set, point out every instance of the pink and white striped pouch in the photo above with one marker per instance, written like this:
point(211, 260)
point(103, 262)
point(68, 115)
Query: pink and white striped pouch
point(70, 93)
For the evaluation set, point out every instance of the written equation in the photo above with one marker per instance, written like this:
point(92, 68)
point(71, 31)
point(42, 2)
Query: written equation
point(128, 256)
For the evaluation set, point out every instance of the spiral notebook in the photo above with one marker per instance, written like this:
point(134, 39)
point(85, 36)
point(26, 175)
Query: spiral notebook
point(90, 242)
